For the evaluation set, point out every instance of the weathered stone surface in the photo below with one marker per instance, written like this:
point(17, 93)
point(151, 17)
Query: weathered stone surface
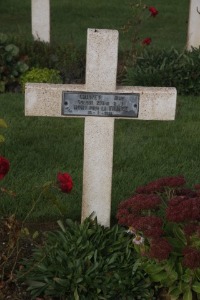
point(193, 38)
point(101, 60)
point(40, 13)
point(44, 99)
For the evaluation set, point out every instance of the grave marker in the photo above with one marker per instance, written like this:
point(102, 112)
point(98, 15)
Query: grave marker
point(99, 96)
point(40, 17)
point(193, 38)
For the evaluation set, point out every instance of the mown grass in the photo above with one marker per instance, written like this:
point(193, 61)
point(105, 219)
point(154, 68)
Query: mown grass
point(40, 147)
point(70, 20)
point(143, 151)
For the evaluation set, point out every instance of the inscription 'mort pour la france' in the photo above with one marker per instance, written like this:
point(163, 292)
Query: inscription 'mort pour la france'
point(100, 104)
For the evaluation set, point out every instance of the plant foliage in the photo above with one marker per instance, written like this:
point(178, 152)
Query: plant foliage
point(86, 261)
point(169, 68)
point(41, 75)
point(164, 218)
point(68, 60)
point(11, 65)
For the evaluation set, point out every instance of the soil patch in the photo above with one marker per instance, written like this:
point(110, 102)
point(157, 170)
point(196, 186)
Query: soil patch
point(13, 249)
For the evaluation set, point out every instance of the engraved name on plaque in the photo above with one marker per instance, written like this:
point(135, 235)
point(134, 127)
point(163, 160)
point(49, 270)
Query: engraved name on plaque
point(100, 104)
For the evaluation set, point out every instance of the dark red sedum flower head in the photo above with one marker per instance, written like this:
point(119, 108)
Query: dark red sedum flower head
point(160, 184)
point(191, 257)
point(153, 11)
point(160, 249)
point(65, 182)
point(4, 167)
point(183, 209)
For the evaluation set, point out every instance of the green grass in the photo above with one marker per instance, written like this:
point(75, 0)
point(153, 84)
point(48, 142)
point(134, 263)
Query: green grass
point(143, 151)
point(70, 20)
point(40, 147)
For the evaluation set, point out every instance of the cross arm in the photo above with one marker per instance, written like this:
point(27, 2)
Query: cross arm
point(154, 103)
point(44, 99)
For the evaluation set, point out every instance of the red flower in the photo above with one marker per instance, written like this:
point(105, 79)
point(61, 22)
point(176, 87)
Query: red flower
point(191, 257)
point(141, 202)
point(186, 192)
point(147, 41)
point(182, 209)
point(153, 11)
point(159, 184)
point(192, 229)
point(122, 216)
point(65, 182)
point(151, 226)
point(160, 249)
point(4, 167)
point(129, 209)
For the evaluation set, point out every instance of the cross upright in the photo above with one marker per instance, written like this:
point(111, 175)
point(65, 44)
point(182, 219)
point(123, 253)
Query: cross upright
point(100, 102)
point(193, 34)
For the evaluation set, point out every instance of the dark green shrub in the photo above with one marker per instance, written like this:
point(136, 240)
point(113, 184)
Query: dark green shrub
point(11, 65)
point(41, 75)
point(68, 60)
point(86, 261)
point(169, 68)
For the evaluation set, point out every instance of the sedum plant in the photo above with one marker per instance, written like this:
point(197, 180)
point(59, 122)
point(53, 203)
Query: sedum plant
point(11, 66)
point(41, 75)
point(86, 261)
point(164, 219)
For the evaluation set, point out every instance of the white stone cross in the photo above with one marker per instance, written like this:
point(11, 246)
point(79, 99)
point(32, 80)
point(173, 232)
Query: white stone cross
point(101, 70)
point(193, 38)
point(40, 17)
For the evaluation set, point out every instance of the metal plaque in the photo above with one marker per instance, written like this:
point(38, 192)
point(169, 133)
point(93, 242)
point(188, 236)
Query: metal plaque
point(100, 104)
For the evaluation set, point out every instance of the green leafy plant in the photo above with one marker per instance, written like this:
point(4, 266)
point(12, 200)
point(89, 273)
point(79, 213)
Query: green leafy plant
point(41, 75)
point(86, 261)
point(164, 219)
point(11, 65)
point(170, 68)
point(67, 59)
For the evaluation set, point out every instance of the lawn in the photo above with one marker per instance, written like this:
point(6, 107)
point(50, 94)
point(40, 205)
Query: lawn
point(38, 148)
point(70, 20)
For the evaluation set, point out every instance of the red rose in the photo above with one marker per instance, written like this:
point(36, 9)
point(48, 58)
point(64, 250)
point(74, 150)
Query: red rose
point(146, 41)
point(4, 167)
point(65, 182)
point(153, 11)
